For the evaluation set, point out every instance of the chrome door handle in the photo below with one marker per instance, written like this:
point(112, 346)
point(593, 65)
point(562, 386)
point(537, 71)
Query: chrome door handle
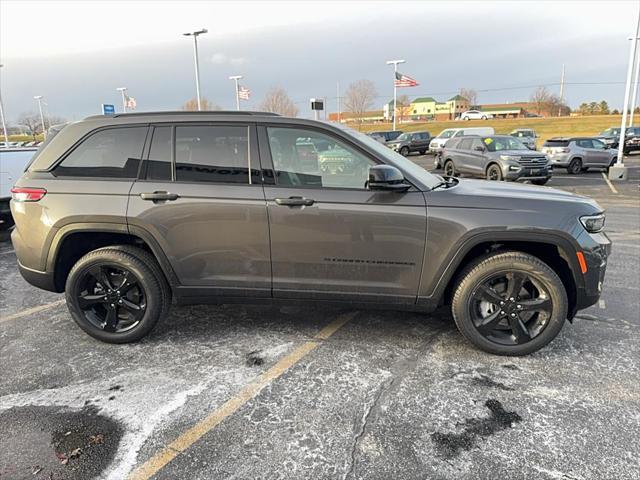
point(295, 202)
point(159, 196)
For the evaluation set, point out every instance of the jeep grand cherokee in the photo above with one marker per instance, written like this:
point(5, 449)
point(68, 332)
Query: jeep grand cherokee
point(128, 213)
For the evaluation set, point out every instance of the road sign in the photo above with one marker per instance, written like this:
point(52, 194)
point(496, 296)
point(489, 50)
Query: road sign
point(108, 109)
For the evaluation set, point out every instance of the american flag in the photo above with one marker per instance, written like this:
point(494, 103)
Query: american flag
point(130, 102)
point(243, 93)
point(405, 81)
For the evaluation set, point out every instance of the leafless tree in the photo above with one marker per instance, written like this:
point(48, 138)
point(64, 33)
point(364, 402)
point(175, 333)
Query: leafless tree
point(404, 107)
point(471, 95)
point(192, 105)
point(277, 101)
point(359, 98)
point(33, 124)
point(548, 103)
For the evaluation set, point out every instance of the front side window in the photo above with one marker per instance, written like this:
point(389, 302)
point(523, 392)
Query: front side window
point(109, 153)
point(212, 153)
point(498, 144)
point(311, 159)
point(598, 144)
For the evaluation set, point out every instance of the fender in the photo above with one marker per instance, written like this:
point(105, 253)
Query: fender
point(565, 243)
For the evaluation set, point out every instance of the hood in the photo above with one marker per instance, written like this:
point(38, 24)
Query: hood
point(519, 153)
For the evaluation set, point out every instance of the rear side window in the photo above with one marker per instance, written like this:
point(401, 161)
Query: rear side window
point(109, 153)
point(556, 143)
point(212, 153)
point(159, 161)
point(465, 144)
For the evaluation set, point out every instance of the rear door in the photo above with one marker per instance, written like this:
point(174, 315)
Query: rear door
point(461, 156)
point(476, 158)
point(200, 197)
point(331, 237)
point(601, 155)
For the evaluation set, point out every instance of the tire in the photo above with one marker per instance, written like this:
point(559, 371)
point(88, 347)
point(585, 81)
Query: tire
point(575, 166)
point(6, 222)
point(503, 337)
point(99, 278)
point(404, 151)
point(484, 118)
point(542, 181)
point(450, 169)
point(494, 172)
point(423, 152)
point(466, 118)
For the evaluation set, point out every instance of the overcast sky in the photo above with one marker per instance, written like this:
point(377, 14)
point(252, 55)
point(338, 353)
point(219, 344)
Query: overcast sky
point(77, 53)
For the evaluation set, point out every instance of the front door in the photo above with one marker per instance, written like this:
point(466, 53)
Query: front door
point(198, 201)
point(331, 238)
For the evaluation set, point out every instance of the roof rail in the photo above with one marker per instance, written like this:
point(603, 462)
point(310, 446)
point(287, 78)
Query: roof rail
point(187, 112)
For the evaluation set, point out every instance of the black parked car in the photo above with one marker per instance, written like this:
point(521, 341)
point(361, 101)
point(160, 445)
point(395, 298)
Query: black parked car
point(385, 136)
point(411, 142)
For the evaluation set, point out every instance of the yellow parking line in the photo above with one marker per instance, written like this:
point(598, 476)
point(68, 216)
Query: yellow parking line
point(193, 434)
point(31, 311)
point(613, 189)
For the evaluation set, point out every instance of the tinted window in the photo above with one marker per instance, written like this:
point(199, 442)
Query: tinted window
point(465, 144)
point(476, 143)
point(159, 162)
point(212, 154)
point(498, 144)
point(308, 158)
point(598, 144)
point(556, 143)
point(113, 153)
point(584, 143)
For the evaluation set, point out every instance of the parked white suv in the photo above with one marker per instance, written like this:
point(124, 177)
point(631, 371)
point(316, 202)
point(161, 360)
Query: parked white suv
point(475, 115)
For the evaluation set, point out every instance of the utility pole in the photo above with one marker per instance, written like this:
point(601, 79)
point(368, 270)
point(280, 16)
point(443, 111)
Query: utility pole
point(338, 97)
point(39, 98)
point(395, 89)
point(618, 171)
point(122, 91)
point(195, 60)
point(561, 91)
point(634, 90)
point(4, 124)
point(236, 78)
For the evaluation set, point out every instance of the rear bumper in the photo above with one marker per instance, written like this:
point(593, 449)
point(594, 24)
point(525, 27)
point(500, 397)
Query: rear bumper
point(43, 280)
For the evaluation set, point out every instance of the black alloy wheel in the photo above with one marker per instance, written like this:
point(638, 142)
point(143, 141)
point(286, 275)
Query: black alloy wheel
point(404, 151)
point(449, 168)
point(510, 308)
point(111, 298)
point(494, 173)
point(575, 167)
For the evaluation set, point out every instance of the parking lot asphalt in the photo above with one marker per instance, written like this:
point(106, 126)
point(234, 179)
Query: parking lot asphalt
point(250, 392)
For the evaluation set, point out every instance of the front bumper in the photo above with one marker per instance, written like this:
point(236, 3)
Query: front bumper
point(596, 248)
point(527, 173)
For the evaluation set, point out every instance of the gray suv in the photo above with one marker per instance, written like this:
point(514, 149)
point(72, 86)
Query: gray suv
point(577, 155)
point(410, 142)
point(129, 213)
point(498, 157)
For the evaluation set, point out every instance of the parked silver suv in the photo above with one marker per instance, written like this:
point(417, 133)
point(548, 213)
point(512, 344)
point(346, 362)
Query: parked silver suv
point(127, 213)
point(498, 157)
point(577, 155)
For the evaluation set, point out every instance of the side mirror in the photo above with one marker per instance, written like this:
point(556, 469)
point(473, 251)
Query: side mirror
point(479, 148)
point(386, 177)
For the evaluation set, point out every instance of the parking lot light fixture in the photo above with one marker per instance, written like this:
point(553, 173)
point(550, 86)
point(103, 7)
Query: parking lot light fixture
point(39, 98)
point(395, 89)
point(195, 60)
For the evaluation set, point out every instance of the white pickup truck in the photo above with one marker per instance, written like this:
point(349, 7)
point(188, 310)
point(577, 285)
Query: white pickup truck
point(13, 162)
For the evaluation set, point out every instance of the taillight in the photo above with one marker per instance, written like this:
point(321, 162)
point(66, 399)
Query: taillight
point(20, 194)
point(564, 150)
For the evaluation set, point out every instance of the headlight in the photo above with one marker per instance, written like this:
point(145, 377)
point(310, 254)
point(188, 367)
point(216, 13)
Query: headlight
point(509, 158)
point(593, 223)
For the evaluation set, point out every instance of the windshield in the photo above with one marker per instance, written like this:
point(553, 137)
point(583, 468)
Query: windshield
point(395, 159)
point(404, 136)
point(446, 133)
point(498, 144)
point(610, 132)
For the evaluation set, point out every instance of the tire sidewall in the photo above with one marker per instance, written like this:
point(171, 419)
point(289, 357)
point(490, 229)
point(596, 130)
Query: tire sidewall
point(476, 276)
point(147, 280)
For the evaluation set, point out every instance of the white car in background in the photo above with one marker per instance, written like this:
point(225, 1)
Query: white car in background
point(475, 115)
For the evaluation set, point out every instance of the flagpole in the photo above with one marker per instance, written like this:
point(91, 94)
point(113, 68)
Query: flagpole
point(235, 78)
point(124, 100)
point(395, 89)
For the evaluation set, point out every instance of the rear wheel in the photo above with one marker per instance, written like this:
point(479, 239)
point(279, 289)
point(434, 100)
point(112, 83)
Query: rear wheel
point(423, 152)
point(449, 169)
point(484, 117)
point(575, 166)
point(494, 172)
point(466, 118)
point(509, 303)
point(117, 294)
point(404, 151)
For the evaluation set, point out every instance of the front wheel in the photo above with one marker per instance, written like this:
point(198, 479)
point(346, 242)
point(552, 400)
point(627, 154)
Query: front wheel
point(466, 118)
point(494, 172)
point(404, 151)
point(484, 117)
point(509, 303)
point(117, 294)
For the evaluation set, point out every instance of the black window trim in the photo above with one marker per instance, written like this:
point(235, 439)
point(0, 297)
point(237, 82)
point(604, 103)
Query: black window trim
point(265, 151)
point(89, 134)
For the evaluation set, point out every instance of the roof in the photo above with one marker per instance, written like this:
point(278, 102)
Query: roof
point(501, 109)
point(458, 97)
point(424, 100)
point(184, 113)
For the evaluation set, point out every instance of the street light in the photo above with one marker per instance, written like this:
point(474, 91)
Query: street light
point(195, 59)
point(123, 91)
point(395, 91)
point(4, 125)
point(236, 78)
point(39, 98)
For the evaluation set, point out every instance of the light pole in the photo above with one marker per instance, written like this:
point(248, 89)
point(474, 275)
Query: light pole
point(4, 124)
point(618, 171)
point(395, 90)
point(122, 91)
point(39, 98)
point(634, 89)
point(195, 59)
point(236, 78)
point(338, 99)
